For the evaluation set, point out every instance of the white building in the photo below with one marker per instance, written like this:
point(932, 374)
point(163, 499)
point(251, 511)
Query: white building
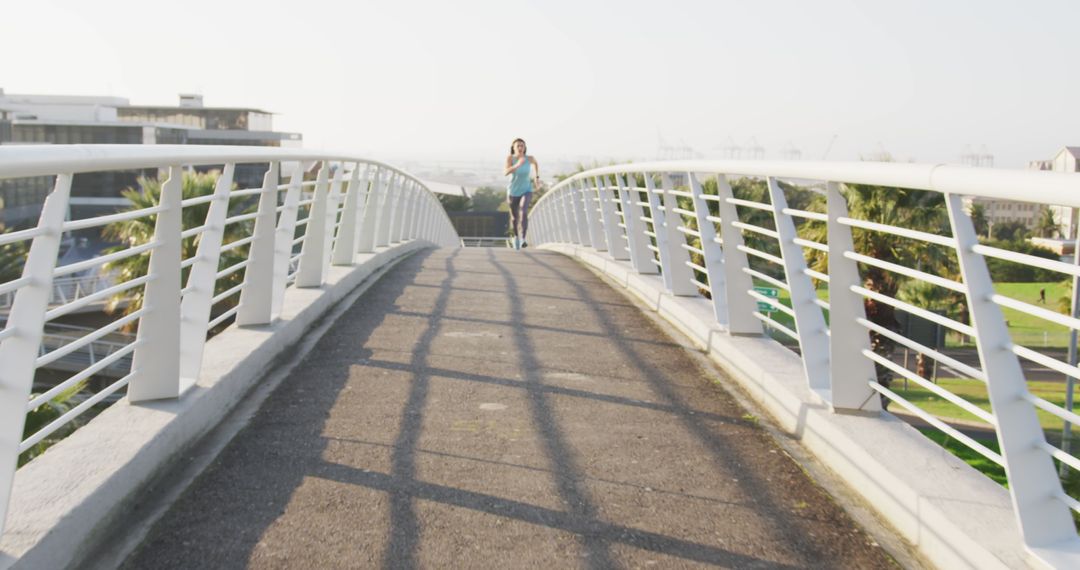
point(75, 119)
point(1001, 211)
point(1066, 160)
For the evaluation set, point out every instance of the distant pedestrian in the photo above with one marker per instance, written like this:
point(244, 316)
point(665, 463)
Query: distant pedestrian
point(1042, 295)
point(524, 176)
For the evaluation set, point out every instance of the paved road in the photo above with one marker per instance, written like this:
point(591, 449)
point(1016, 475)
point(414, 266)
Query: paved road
point(486, 408)
point(1033, 371)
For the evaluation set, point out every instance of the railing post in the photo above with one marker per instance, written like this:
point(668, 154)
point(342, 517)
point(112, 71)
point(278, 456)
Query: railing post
point(370, 224)
point(345, 243)
point(539, 225)
point(197, 303)
point(311, 272)
point(431, 222)
point(23, 332)
point(850, 373)
point(570, 214)
point(589, 227)
point(397, 206)
point(741, 308)
point(616, 246)
point(1033, 482)
point(403, 211)
point(566, 229)
point(557, 218)
point(552, 220)
point(386, 211)
point(588, 204)
point(428, 218)
point(283, 240)
point(673, 257)
point(155, 366)
point(809, 320)
point(640, 255)
point(713, 254)
point(578, 205)
point(256, 299)
point(424, 217)
point(400, 195)
point(419, 202)
point(413, 212)
point(333, 212)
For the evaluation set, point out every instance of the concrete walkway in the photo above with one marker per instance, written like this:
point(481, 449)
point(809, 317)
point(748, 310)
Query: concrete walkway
point(484, 408)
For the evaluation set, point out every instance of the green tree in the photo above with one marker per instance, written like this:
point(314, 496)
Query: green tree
point(12, 258)
point(488, 199)
point(979, 219)
point(900, 207)
point(1046, 226)
point(131, 233)
point(935, 299)
point(454, 203)
point(1010, 231)
point(1002, 271)
point(44, 415)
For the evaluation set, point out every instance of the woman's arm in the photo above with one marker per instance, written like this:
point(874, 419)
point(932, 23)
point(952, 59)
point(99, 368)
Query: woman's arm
point(511, 165)
point(535, 173)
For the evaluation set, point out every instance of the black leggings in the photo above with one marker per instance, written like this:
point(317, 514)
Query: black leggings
point(519, 214)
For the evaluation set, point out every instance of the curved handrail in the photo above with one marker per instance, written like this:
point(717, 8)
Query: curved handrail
point(19, 161)
point(1059, 188)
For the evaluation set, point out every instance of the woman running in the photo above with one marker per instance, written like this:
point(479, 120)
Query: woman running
point(524, 177)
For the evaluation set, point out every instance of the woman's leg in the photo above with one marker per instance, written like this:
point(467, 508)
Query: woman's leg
point(513, 201)
point(523, 215)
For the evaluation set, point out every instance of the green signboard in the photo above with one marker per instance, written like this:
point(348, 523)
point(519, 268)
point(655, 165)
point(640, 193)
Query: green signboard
point(768, 292)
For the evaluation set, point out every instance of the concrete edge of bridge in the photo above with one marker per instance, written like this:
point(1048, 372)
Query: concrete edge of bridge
point(69, 500)
point(947, 511)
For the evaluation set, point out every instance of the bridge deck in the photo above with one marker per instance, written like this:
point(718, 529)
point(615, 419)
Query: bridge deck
point(491, 408)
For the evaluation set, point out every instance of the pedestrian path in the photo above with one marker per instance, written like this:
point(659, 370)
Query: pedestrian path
point(491, 408)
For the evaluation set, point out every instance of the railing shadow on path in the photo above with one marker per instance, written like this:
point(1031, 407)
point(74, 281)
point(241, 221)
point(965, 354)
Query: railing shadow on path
point(286, 435)
point(227, 514)
point(730, 452)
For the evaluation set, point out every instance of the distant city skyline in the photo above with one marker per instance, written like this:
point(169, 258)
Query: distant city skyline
point(423, 80)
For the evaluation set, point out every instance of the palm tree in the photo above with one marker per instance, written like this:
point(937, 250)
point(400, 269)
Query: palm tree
point(979, 219)
point(1046, 226)
point(935, 299)
point(131, 233)
point(901, 207)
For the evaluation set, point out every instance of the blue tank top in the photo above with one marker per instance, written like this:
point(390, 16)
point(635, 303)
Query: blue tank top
point(520, 184)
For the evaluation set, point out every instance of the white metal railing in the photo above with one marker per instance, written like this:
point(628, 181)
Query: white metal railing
point(65, 290)
point(278, 235)
point(62, 348)
point(721, 228)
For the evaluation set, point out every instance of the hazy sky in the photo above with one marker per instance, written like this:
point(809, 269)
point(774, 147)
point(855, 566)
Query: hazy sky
point(459, 79)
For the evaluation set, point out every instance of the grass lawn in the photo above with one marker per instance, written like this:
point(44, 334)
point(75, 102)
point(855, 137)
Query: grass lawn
point(1070, 484)
point(970, 456)
point(974, 391)
point(1032, 331)
point(1026, 330)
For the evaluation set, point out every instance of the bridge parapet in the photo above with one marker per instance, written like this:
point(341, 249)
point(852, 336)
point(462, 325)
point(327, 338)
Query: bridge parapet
point(726, 232)
point(281, 238)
